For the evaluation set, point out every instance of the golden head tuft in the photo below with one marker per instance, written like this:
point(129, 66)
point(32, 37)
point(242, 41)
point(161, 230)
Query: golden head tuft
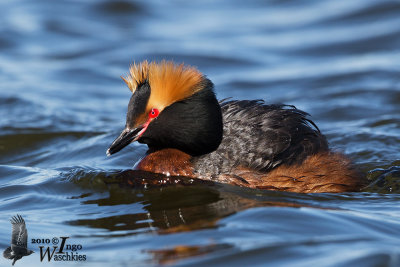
point(169, 82)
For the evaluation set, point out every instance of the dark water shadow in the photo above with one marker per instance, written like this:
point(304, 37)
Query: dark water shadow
point(172, 204)
point(384, 180)
point(178, 204)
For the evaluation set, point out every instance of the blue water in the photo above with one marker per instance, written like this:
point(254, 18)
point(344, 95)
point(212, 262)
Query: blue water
point(62, 103)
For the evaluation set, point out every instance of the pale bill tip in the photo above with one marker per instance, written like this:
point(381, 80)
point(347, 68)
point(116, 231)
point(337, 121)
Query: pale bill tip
point(108, 153)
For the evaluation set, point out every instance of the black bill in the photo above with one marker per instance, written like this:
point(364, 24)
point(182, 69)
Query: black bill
point(125, 138)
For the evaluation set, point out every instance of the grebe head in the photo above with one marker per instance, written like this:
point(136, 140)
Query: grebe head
point(172, 106)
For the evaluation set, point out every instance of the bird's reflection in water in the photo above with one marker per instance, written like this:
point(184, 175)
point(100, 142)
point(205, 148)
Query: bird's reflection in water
point(172, 204)
point(176, 253)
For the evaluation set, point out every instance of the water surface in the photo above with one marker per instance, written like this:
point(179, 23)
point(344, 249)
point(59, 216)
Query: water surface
point(62, 103)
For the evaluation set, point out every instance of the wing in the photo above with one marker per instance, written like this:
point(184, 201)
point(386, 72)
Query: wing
point(261, 137)
point(268, 135)
point(7, 253)
point(19, 236)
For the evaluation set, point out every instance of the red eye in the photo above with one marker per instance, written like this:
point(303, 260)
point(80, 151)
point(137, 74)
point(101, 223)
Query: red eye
point(153, 113)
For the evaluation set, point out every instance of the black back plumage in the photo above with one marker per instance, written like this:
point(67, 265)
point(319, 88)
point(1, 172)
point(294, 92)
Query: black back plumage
point(19, 239)
point(261, 137)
